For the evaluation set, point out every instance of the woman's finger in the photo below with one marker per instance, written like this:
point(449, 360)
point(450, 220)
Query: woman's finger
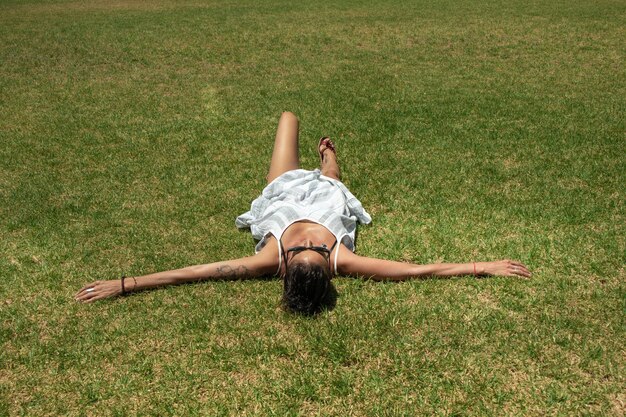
point(87, 289)
point(521, 271)
point(521, 265)
point(83, 297)
point(91, 300)
point(519, 268)
point(84, 292)
point(87, 294)
point(96, 298)
point(90, 285)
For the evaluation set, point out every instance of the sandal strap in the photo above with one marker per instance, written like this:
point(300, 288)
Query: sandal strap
point(329, 145)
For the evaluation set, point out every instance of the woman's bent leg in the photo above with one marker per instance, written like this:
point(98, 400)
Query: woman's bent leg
point(285, 155)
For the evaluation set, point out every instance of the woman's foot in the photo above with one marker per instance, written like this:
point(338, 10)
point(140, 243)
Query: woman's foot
point(328, 158)
point(324, 145)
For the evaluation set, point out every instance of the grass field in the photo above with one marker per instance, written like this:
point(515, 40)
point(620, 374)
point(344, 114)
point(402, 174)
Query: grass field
point(132, 133)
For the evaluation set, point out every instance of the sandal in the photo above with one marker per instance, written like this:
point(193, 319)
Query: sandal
point(327, 144)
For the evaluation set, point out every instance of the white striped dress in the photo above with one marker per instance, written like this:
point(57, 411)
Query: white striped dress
point(304, 195)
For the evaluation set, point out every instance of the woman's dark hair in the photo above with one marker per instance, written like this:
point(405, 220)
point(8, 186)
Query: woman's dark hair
point(305, 287)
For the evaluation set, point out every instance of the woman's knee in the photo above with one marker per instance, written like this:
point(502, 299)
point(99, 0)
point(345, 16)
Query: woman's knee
point(289, 115)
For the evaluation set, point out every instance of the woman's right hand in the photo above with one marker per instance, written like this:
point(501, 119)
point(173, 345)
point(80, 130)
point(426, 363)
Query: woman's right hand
point(98, 290)
point(506, 268)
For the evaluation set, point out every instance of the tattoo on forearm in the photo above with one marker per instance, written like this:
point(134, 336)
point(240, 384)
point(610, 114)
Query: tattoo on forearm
point(228, 272)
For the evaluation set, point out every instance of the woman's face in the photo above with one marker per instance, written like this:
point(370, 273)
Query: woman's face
point(307, 256)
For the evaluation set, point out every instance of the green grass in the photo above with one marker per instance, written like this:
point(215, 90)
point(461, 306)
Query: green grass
point(133, 133)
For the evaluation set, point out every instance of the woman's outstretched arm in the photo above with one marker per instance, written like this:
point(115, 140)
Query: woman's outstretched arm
point(383, 270)
point(263, 263)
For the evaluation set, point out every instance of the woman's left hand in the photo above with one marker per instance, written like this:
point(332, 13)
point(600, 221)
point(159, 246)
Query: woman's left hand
point(98, 290)
point(506, 268)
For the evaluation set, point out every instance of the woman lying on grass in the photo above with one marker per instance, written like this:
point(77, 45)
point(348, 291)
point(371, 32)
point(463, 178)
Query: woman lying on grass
point(305, 222)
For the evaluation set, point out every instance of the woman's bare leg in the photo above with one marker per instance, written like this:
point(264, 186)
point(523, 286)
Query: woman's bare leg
point(329, 165)
point(285, 155)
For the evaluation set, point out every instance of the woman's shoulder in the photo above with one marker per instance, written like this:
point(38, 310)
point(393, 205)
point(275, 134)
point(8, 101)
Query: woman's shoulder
point(270, 245)
point(268, 255)
point(345, 257)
